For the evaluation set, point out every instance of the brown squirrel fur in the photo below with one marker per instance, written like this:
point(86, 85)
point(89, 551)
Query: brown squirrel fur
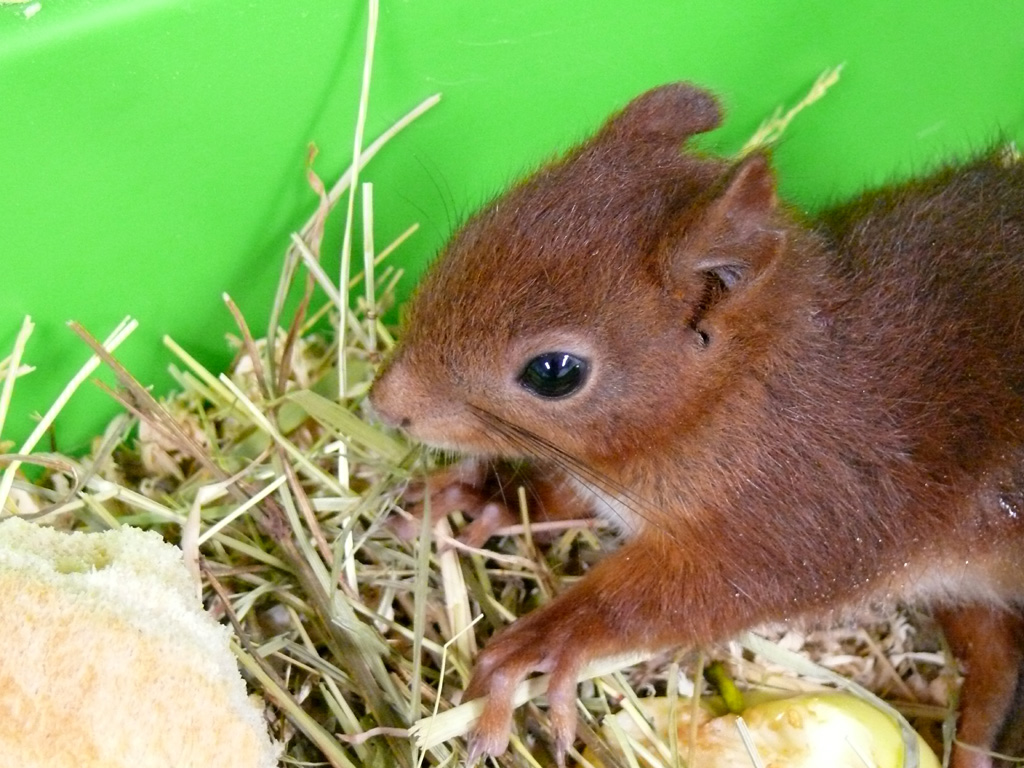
point(782, 416)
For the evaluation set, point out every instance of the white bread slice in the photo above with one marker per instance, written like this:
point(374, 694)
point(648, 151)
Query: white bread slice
point(107, 658)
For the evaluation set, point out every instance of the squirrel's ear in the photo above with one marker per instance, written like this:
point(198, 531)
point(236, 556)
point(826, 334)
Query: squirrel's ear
point(735, 237)
point(666, 115)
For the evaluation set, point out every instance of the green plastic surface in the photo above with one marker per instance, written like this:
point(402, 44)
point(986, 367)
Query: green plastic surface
point(152, 152)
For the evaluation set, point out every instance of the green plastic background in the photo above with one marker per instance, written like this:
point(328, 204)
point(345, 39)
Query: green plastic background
point(152, 152)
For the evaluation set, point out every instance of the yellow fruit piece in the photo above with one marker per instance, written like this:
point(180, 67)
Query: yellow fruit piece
point(804, 731)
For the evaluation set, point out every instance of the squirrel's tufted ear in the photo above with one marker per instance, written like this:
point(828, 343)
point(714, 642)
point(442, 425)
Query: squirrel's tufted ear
point(667, 114)
point(734, 238)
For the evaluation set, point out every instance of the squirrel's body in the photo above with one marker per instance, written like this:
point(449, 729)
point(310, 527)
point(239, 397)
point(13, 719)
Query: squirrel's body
point(784, 417)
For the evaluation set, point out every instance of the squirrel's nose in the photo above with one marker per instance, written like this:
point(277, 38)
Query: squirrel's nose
point(385, 403)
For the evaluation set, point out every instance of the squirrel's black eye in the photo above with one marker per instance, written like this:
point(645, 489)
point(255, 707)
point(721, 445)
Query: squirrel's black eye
point(554, 374)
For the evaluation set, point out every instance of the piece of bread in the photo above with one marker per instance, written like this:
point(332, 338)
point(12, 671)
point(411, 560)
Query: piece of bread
point(108, 658)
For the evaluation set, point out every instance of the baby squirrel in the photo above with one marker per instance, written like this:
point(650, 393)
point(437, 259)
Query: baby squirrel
point(783, 416)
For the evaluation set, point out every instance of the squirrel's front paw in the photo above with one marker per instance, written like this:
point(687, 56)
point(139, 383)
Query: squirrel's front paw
point(484, 491)
point(552, 640)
